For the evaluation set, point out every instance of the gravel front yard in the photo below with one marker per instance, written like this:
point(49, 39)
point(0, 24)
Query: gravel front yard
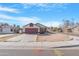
point(4, 38)
point(53, 37)
point(18, 37)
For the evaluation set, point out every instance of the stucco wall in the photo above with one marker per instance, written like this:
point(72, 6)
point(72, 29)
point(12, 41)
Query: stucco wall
point(6, 30)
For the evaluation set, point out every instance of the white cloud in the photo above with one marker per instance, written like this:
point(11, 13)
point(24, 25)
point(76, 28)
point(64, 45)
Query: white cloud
point(19, 19)
point(28, 19)
point(5, 17)
point(12, 10)
point(52, 23)
point(27, 5)
point(45, 6)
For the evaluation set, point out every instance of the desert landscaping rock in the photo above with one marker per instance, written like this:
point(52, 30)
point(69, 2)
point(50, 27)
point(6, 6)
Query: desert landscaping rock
point(53, 38)
point(4, 38)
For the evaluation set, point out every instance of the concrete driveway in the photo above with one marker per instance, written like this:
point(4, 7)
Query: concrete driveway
point(28, 38)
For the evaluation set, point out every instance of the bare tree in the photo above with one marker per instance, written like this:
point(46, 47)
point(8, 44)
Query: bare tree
point(66, 23)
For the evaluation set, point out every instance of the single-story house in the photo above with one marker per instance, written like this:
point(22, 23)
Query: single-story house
point(67, 29)
point(5, 28)
point(75, 30)
point(32, 28)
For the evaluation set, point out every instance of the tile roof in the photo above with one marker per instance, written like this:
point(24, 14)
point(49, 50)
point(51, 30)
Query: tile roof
point(37, 24)
point(40, 25)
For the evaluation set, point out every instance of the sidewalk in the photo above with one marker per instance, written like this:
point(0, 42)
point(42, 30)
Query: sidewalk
point(27, 45)
point(5, 35)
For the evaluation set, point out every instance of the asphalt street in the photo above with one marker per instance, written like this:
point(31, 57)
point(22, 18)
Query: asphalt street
point(39, 52)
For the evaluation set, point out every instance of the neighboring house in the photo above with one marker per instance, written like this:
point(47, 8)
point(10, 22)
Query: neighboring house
point(34, 28)
point(16, 29)
point(20, 30)
point(67, 29)
point(75, 30)
point(6, 28)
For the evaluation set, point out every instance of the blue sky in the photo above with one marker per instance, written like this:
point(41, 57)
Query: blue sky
point(49, 14)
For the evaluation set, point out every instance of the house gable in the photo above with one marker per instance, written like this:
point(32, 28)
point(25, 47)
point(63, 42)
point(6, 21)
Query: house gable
point(31, 25)
point(40, 25)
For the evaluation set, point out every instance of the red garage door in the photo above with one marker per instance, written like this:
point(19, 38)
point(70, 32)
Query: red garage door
point(31, 30)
